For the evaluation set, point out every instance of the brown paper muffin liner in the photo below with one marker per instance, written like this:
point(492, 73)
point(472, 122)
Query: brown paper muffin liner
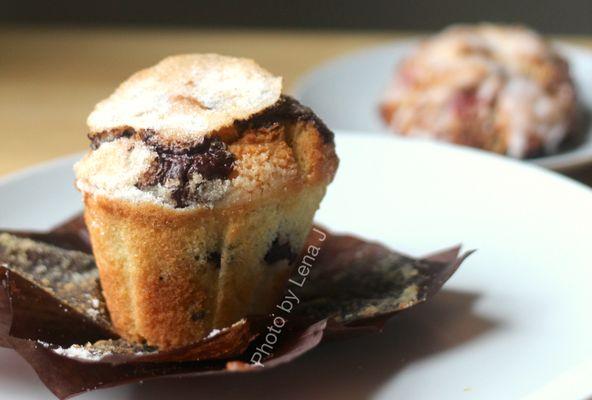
point(52, 312)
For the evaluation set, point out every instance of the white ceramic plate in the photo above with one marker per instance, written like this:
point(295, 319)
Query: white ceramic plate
point(513, 322)
point(345, 92)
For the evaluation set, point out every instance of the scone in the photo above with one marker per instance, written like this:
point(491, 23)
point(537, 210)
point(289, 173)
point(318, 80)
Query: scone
point(199, 191)
point(498, 88)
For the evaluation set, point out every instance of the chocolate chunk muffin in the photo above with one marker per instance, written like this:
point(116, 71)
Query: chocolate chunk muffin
point(498, 88)
point(199, 190)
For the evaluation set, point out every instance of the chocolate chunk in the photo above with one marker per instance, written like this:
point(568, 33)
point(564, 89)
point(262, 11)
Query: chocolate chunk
point(279, 251)
point(198, 315)
point(175, 168)
point(215, 162)
point(286, 110)
point(98, 138)
point(215, 258)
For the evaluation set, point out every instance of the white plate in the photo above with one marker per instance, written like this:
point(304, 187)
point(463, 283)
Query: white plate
point(514, 321)
point(345, 92)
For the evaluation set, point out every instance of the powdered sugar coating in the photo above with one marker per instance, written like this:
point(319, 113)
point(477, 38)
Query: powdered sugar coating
point(501, 88)
point(80, 352)
point(185, 97)
point(114, 169)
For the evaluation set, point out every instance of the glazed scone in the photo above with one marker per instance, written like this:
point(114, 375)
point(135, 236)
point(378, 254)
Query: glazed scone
point(199, 191)
point(498, 88)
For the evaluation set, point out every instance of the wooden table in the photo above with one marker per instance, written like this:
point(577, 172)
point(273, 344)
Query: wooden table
point(51, 78)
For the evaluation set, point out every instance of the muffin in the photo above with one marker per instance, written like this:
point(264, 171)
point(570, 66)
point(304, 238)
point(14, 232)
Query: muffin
point(199, 190)
point(497, 88)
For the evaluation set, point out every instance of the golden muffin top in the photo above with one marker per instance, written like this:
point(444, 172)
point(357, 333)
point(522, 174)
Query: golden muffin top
point(199, 131)
point(185, 97)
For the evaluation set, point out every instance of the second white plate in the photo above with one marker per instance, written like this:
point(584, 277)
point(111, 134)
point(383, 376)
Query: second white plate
point(345, 92)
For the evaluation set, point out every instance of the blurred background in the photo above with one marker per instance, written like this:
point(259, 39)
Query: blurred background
point(552, 16)
point(57, 59)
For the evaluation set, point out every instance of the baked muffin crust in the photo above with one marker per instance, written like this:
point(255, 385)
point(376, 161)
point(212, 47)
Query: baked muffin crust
point(245, 140)
point(185, 97)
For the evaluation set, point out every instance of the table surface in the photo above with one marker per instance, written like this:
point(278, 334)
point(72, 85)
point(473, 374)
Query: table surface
point(50, 78)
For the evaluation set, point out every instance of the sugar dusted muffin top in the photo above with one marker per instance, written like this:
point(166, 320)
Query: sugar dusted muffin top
point(187, 96)
point(202, 130)
point(499, 88)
